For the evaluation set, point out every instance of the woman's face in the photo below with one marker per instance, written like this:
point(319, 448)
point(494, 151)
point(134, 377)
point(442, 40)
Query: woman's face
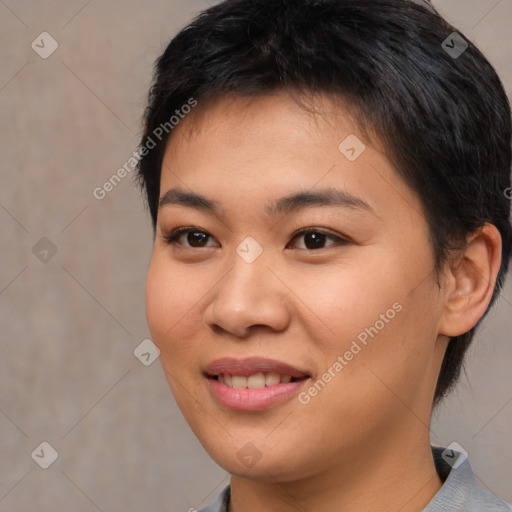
point(350, 309)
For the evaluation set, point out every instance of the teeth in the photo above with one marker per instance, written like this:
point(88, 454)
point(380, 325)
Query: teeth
point(238, 381)
point(255, 381)
point(272, 379)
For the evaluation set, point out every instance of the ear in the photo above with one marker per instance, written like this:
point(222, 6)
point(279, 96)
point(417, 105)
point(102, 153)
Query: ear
point(470, 281)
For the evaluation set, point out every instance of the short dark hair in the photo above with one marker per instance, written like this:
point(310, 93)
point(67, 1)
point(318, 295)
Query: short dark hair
point(444, 119)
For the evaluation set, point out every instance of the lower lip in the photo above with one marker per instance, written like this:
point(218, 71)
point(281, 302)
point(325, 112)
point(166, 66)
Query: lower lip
point(245, 399)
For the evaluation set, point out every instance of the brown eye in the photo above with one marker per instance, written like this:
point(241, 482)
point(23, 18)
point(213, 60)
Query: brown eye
point(313, 238)
point(196, 238)
point(188, 238)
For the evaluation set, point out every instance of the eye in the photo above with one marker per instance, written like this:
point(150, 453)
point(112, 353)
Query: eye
point(315, 238)
point(196, 238)
point(193, 237)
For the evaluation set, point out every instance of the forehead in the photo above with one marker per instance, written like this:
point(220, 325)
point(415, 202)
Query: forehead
point(276, 131)
point(311, 110)
point(234, 148)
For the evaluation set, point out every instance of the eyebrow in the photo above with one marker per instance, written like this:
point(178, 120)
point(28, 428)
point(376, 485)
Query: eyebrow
point(284, 205)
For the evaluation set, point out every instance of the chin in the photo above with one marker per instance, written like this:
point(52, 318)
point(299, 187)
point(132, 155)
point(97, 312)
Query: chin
point(251, 463)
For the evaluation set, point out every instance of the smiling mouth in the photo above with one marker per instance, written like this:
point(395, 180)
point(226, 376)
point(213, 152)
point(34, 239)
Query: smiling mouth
point(255, 381)
point(253, 384)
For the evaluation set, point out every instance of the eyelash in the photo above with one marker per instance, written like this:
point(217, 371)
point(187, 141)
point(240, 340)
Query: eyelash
point(174, 235)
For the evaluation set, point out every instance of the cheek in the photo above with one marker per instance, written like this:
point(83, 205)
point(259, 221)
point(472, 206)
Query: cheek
point(387, 361)
point(169, 314)
point(167, 301)
point(157, 303)
point(381, 322)
point(347, 299)
point(174, 298)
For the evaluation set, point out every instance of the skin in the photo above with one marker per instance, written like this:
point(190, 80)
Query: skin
point(362, 443)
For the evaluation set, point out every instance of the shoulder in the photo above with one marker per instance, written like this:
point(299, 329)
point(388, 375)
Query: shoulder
point(221, 502)
point(460, 491)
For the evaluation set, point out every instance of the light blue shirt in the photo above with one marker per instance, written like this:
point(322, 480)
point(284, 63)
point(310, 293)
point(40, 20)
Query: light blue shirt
point(460, 491)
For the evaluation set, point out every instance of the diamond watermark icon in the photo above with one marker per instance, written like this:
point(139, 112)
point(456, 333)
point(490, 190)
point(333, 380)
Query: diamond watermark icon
point(249, 455)
point(146, 352)
point(44, 250)
point(351, 148)
point(45, 455)
point(454, 45)
point(249, 250)
point(454, 455)
point(44, 45)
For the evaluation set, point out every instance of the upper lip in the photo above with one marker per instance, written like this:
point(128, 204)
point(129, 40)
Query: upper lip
point(250, 366)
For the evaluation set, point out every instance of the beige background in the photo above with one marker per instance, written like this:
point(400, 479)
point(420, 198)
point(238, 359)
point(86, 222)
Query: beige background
point(68, 375)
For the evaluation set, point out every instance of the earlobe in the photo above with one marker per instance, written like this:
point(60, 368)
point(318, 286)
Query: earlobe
point(471, 279)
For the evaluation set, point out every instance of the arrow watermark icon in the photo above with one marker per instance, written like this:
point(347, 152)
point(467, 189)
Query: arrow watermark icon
point(44, 250)
point(146, 352)
point(351, 148)
point(45, 455)
point(44, 45)
point(455, 45)
point(249, 250)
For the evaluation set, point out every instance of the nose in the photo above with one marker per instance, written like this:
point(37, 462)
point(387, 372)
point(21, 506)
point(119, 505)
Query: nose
point(249, 297)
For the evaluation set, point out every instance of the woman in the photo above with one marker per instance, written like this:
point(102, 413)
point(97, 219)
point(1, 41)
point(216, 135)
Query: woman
point(327, 182)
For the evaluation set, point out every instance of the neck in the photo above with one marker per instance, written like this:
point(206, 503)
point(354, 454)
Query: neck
point(394, 476)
